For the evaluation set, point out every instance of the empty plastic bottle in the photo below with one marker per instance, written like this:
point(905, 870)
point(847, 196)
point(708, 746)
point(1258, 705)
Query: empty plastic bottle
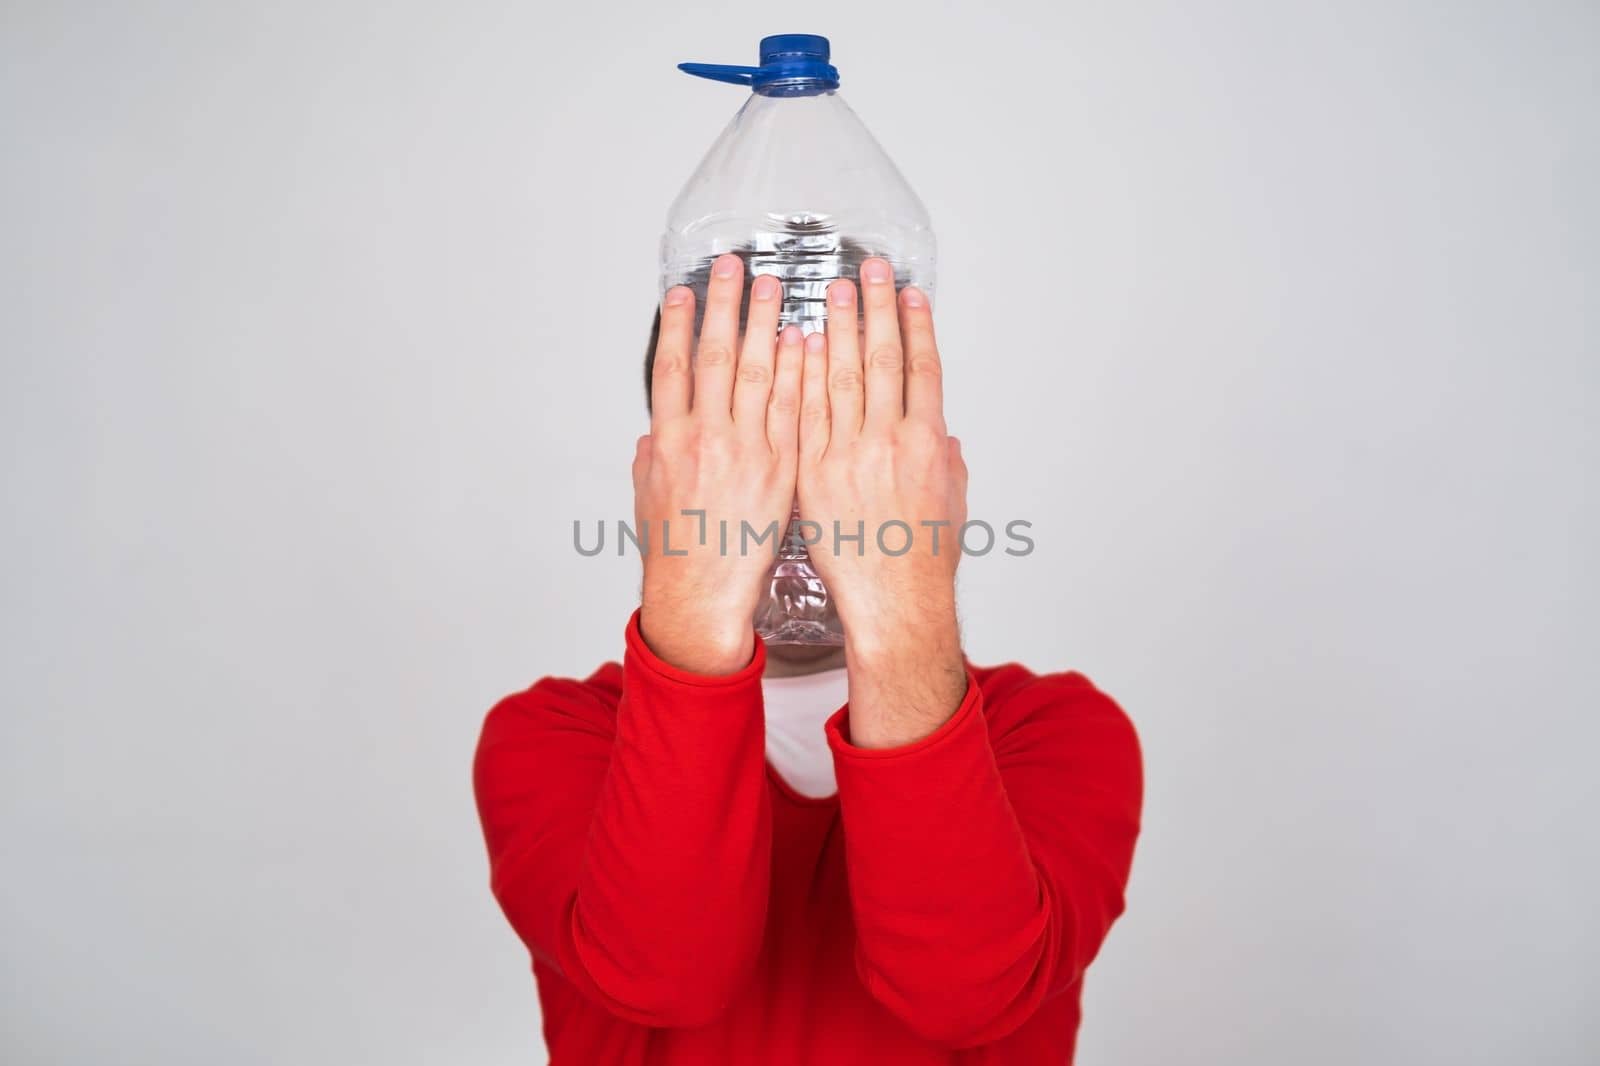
point(798, 188)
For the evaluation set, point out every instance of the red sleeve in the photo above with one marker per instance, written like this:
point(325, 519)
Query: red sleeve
point(631, 851)
point(988, 860)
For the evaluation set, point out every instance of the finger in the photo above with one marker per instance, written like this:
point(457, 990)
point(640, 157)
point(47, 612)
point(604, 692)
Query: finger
point(783, 409)
point(753, 386)
point(924, 370)
point(816, 412)
point(843, 363)
point(885, 382)
point(670, 385)
point(719, 332)
point(641, 460)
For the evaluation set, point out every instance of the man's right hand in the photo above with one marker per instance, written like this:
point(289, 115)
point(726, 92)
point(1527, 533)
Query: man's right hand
point(722, 441)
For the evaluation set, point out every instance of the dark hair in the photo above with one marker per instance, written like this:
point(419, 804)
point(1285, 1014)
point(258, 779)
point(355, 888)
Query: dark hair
point(650, 360)
point(850, 253)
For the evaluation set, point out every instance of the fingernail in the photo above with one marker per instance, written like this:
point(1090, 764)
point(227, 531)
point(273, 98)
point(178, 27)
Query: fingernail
point(814, 343)
point(875, 270)
point(676, 295)
point(840, 293)
point(913, 297)
point(765, 287)
point(726, 266)
point(790, 334)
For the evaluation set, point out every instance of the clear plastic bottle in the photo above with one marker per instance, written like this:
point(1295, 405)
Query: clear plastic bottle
point(798, 188)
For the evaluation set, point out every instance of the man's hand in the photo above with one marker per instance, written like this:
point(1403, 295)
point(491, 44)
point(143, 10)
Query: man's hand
point(722, 441)
point(875, 460)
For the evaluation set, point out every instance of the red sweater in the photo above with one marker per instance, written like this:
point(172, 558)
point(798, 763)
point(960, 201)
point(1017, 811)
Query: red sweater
point(683, 905)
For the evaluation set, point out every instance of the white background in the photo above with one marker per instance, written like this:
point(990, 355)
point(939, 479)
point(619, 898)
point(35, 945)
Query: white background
point(322, 322)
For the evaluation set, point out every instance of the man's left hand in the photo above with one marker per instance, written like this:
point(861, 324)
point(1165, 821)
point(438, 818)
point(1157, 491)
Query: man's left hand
point(876, 461)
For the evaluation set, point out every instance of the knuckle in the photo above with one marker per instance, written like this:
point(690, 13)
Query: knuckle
point(669, 438)
point(715, 355)
point(785, 403)
point(925, 366)
point(845, 379)
point(755, 373)
point(669, 364)
point(885, 357)
point(920, 437)
point(717, 447)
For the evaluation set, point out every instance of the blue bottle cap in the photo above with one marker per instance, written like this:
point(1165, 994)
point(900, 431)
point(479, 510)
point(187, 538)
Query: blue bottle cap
point(795, 46)
point(791, 64)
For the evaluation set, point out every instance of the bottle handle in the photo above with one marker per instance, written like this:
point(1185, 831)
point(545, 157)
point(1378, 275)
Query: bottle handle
point(733, 75)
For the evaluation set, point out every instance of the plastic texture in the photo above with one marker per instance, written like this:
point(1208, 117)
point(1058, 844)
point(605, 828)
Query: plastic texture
point(798, 188)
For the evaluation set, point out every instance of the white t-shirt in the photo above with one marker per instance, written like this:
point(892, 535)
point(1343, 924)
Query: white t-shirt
point(796, 707)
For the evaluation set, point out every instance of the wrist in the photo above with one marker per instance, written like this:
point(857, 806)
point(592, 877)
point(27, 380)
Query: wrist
point(932, 654)
point(901, 698)
point(907, 672)
point(917, 629)
point(699, 641)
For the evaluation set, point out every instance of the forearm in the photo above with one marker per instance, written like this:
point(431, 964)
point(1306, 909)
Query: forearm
point(986, 860)
point(656, 911)
point(951, 921)
point(671, 899)
point(907, 673)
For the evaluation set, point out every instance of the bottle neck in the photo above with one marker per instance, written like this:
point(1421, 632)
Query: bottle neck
point(786, 87)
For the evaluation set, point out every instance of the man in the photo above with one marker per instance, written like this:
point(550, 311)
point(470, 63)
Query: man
point(938, 897)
